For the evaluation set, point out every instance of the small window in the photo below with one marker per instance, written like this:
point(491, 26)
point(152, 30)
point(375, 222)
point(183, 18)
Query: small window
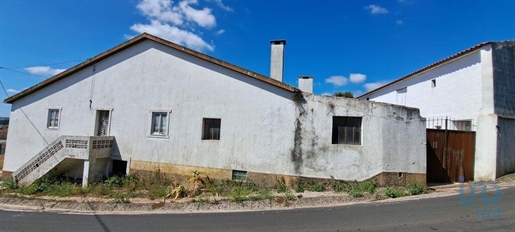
point(53, 119)
point(159, 123)
point(211, 129)
point(239, 175)
point(347, 130)
point(433, 83)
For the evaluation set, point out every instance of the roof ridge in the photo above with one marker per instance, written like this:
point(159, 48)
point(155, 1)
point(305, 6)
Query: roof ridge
point(135, 40)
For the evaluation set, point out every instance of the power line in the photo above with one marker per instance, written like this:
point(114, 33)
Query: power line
point(5, 91)
point(28, 74)
point(66, 62)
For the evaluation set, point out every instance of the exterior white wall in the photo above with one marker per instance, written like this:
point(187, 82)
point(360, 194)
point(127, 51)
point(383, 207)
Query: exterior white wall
point(257, 119)
point(393, 139)
point(463, 91)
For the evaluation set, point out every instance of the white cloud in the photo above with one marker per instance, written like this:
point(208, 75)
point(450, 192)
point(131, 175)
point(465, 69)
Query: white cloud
point(180, 22)
point(219, 32)
point(374, 85)
point(399, 22)
point(161, 10)
point(337, 80)
point(375, 9)
point(357, 78)
point(221, 5)
point(43, 70)
point(327, 94)
point(203, 17)
point(173, 34)
point(12, 91)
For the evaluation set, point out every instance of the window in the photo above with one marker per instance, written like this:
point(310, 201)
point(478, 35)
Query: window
point(211, 129)
point(433, 83)
point(239, 175)
point(159, 123)
point(347, 130)
point(53, 119)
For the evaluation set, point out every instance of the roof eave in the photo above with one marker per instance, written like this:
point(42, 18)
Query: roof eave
point(426, 68)
point(134, 41)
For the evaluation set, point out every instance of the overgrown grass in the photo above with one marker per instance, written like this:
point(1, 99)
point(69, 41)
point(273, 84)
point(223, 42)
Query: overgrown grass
point(121, 189)
point(355, 189)
point(395, 192)
point(416, 189)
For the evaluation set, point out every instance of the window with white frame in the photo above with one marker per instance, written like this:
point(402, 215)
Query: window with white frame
point(53, 119)
point(159, 123)
point(346, 130)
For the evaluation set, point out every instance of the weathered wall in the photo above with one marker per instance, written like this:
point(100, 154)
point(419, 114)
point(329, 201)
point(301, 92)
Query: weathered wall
point(503, 57)
point(259, 133)
point(393, 139)
point(464, 91)
point(505, 146)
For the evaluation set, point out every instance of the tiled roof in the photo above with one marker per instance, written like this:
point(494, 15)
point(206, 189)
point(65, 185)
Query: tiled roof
point(134, 41)
point(464, 52)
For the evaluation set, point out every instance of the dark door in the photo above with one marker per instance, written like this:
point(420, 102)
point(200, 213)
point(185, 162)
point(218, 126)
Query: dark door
point(450, 154)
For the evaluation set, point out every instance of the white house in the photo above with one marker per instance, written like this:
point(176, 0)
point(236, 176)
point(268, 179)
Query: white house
point(476, 89)
point(149, 104)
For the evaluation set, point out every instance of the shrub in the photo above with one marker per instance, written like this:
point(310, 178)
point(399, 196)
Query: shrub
point(394, 192)
point(317, 187)
point(157, 191)
point(299, 188)
point(341, 187)
point(367, 186)
point(281, 186)
point(415, 189)
point(289, 197)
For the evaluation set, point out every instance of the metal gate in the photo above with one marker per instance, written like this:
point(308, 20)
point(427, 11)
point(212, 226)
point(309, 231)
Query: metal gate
point(450, 154)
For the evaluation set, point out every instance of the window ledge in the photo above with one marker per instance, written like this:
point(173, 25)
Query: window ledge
point(158, 136)
point(52, 129)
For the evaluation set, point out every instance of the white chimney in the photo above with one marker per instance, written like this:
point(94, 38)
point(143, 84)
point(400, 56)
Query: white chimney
point(277, 59)
point(306, 84)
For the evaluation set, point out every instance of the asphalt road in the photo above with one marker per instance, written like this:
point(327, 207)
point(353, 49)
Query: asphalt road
point(435, 214)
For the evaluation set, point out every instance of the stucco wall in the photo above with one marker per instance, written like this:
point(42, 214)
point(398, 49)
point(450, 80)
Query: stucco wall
point(505, 144)
point(503, 56)
point(393, 139)
point(463, 91)
point(257, 120)
point(457, 94)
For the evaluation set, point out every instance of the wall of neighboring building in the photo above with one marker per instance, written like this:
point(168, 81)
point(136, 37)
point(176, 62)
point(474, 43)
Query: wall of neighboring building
point(456, 93)
point(505, 146)
point(503, 56)
point(461, 89)
point(258, 121)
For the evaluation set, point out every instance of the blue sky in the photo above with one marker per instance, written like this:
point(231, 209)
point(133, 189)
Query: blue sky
point(347, 45)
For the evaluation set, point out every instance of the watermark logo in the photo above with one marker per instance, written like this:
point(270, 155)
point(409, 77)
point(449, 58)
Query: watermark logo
point(489, 208)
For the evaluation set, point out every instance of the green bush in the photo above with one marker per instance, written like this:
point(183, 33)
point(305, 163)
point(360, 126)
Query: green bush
point(299, 188)
point(157, 191)
point(316, 187)
point(289, 197)
point(341, 187)
point(367, 186)
point(281, 186)
point(415, 189)
point(356, 192)
point(394, 192)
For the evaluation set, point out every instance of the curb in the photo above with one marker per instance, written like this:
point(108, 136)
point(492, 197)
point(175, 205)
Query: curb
point(38, 205)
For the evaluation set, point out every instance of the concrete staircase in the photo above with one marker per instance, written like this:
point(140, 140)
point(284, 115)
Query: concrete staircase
point(87, 148)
